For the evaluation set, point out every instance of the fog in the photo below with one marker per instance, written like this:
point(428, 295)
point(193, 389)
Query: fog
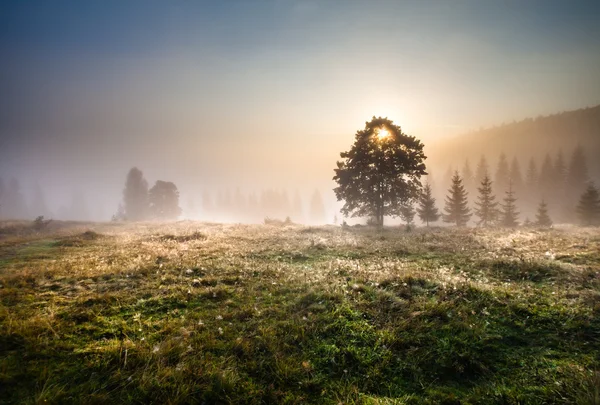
point(254, 101)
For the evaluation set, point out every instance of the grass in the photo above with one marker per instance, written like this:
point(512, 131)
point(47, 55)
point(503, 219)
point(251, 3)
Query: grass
point(209, 313)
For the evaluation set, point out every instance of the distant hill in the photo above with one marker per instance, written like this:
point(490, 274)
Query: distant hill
point(532, 137)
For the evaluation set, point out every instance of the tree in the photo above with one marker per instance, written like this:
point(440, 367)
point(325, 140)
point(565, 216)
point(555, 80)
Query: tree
point(588, 208)
point(547, 178)
point(509, 216)
point(427, 210)
point(317, 208)
point(407, 213)
point(456, 209)
point(541, 217)
point(577, 176)
point(486, 205)
point(380, 172)
point(467, 176)
point(502, 174)
point(515, 177)
point(135, 196)
point(164, 200)
point(482, 170)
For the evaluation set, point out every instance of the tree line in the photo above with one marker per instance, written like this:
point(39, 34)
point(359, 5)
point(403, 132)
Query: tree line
point(381, 176)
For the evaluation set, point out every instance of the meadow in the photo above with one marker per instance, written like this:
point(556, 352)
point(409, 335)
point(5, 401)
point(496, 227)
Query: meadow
point(206, 313)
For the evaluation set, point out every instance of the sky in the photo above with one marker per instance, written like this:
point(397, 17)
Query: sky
point(266, 93)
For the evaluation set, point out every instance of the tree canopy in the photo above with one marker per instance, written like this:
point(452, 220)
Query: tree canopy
point(381, 171)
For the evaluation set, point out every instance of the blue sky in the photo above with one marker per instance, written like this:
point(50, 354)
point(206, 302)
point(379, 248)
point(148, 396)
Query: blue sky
point(249, 88)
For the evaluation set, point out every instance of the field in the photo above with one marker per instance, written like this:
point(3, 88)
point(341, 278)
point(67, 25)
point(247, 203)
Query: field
point(210, 313)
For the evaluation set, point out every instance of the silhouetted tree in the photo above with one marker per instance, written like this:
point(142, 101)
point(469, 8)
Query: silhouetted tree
point(576, 179)
point(588, 208)
point(541, 217)
point(456, 210)
point(317, 208)
point(120, 215)
point(380, 172)
point(486, 205)
point(482, 170)
point(467, 176)
point(531, 178)
point(509, 215)
point(515, 176)
point(427, 210)
point(502, 174)
point(547, 179)
point(407, 213)
point(135, 196)
point(164, 200)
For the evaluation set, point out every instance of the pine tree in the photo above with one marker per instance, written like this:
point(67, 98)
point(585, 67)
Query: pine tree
point(407, 213)
point(482, 170)
point(317, 209)
point(588, 208)
point(502, 174)
point(509, 215)
point(531, 178)
point(515, 176)
point(427, 210)
point(576, 179)
point(164, 200)
point(456, 209)
point(541, 217)
point(467, 176)
point(546, 179)
point(486, 209)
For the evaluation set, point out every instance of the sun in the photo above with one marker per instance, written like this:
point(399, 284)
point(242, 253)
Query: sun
point(382, 133)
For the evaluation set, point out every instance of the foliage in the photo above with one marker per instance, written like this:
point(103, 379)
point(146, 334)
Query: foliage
point(379, 174)
point(39, 223)
point(135, 196)
point(541, 217)
point(509, 216)
point(486, 205)
point(407, 213)
point(588, 208)
point(456, 210)
point(163, 198)
point(427, 210)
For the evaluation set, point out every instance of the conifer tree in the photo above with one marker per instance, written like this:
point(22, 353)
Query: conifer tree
point(456, 209)
point(502, 174)
point(531, 178)
point(546, 179)
point(509, 215)
point(486, 205)
point(515, 176)
point(317, 209)
point(541, 217)
point(467, 176)
point(482, 170)
point(577, 175)
point(588, 208)
point(427, 210)
point(407, 213)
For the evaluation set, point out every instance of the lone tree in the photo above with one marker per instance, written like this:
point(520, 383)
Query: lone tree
point(486, 205)
point(589, 206)
point(380, 172)
point(456, 209)
point(135, 196)
point(164, 200)
point(427, 210)
point(541, 217)
point(407, 213)
point(509, 215)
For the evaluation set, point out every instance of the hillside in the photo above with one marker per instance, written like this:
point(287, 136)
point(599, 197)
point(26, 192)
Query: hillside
point(532, 137)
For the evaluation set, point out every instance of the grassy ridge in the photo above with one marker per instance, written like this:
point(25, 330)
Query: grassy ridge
point(201, 313)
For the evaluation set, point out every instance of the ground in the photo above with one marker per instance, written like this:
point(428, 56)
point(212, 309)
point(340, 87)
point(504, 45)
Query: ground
point(208, 313)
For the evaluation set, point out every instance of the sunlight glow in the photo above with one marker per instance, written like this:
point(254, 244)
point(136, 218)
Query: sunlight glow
point(382, 133)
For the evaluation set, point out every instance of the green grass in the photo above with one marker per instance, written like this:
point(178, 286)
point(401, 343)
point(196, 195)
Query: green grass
point(205, 313)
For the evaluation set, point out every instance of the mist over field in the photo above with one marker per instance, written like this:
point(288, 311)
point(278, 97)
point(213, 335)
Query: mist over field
point(300, 201)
